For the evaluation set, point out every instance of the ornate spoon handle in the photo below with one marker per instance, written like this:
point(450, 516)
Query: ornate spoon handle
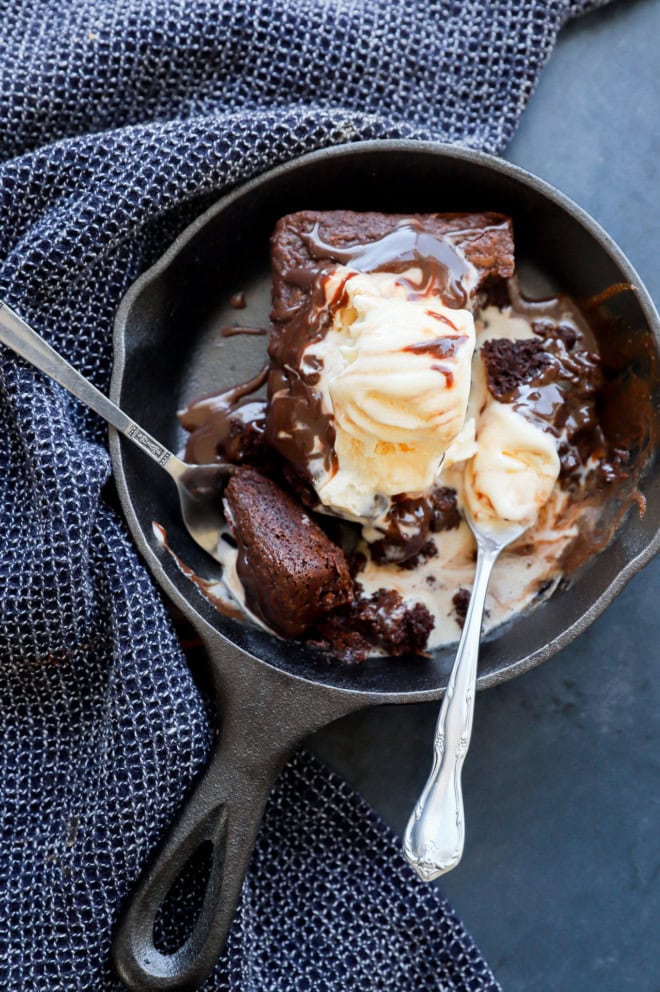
point(435, 835)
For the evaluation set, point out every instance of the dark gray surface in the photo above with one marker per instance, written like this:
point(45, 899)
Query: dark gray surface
point(560, 882)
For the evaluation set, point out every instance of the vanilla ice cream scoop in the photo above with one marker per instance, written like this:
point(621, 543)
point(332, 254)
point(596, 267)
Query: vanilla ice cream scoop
point(514, 470)
point(395, 374)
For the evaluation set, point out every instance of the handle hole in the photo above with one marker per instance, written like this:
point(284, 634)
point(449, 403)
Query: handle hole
point(181, 907)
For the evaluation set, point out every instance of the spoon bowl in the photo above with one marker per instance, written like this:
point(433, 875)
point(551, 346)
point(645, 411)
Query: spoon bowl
point(200, 496)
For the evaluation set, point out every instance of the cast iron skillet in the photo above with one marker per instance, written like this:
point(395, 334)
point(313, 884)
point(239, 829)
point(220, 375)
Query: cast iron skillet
point(272, 693)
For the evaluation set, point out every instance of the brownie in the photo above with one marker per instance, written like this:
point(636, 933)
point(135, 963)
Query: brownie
point(407, 524)
point(461, 601)
point(397, 628)
point(309, 244)
point(428, 550)
point(568, 333)
point(512, 364)
point(409, 521)
point(291, 572)
point(444, 509)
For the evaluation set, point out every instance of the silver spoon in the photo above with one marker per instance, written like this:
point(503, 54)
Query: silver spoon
point(435, 835)
point(200, 486)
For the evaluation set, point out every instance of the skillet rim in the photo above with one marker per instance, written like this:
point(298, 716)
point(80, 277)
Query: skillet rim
point(387, 146)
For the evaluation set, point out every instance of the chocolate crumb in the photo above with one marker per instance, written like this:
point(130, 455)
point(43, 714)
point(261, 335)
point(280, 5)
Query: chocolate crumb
point(427, 550)
point(567, 333)
point(407, 527)
point(357, 562)
point(461, 602)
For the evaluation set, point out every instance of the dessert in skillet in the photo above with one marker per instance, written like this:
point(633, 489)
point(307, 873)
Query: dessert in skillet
point(408, 380)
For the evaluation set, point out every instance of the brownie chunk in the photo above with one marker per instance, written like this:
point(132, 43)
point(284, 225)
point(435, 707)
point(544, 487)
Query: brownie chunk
point(291, 572)
point(427, 551)
point(408, 524)
point(234, 435)
point(381, 620)
point(407, 527)
point(397, 628)
point(569, 334)
point(444, 509)
point(512, 364)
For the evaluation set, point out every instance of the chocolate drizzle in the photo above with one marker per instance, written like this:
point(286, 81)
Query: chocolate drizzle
point(407, 522)
point(235, 331)
point(238, 301)
point(439, 347)
point(211, 589)
point(443, 269)
point(225, 426)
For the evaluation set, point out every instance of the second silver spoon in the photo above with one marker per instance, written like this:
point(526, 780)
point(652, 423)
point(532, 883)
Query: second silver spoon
point(435, 836)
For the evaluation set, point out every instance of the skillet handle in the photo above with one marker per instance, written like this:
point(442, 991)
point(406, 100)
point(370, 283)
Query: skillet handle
point(225, 810)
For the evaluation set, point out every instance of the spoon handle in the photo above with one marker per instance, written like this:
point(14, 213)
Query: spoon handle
point(22, 339)
point(435, 835)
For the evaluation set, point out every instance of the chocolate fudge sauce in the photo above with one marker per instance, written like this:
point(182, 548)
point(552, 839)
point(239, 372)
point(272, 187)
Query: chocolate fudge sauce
point(442, 268)
point(238, 301)
point(407, 525)
point(225, 426)
point(232, 332)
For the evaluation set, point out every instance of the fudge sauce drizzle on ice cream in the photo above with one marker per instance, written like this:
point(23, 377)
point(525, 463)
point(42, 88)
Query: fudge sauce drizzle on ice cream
point(536, 382)
point(396, 409)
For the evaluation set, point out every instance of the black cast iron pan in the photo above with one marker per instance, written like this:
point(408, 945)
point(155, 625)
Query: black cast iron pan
point(271, 693)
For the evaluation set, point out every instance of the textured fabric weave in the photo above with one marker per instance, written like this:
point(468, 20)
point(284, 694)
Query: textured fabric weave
point(119, 122)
